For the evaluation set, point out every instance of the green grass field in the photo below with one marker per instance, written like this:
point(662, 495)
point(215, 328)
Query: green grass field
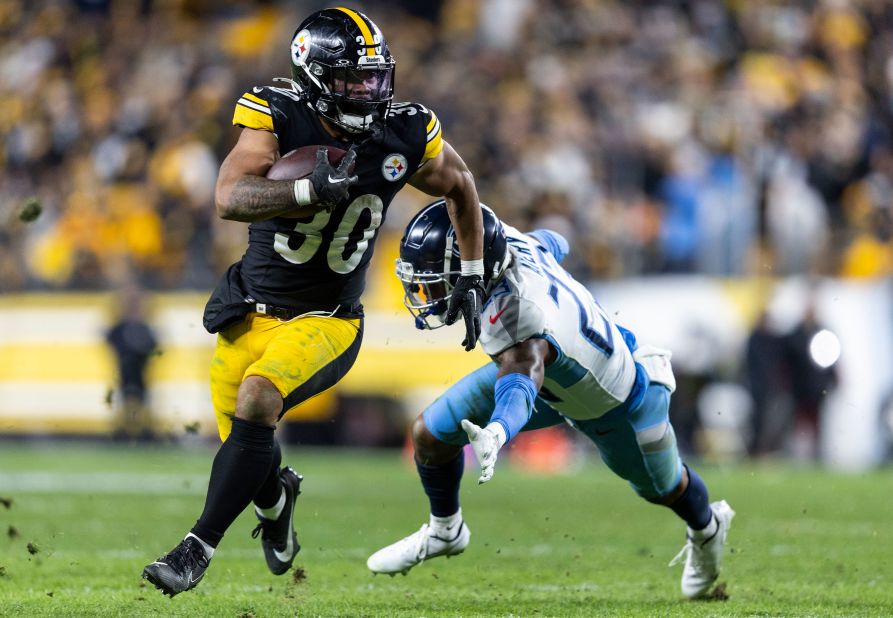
point(804, 542)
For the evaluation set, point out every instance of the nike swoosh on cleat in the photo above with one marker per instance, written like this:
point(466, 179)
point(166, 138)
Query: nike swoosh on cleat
point(288, 554)
point(333, 181)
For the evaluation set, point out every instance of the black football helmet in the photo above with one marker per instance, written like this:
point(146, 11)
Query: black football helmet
point(429, 262)
point(341, 61)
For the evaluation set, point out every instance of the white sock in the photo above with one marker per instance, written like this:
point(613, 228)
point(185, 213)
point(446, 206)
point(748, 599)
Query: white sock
point(706, 532)
point(446, 527)
point(274, 511)
point(209, 551)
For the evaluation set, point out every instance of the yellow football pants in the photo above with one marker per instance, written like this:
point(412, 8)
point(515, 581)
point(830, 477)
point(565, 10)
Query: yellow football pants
point(301, 357)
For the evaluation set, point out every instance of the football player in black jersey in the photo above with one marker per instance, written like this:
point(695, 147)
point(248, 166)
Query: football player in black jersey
point(288, 315)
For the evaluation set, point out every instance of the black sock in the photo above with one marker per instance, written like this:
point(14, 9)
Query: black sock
point(269, 493)
point(441, 483)
point(693, 505)
point(240, 468)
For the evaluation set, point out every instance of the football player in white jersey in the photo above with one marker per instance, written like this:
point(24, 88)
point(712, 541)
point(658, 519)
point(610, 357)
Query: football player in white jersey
point(557, 357)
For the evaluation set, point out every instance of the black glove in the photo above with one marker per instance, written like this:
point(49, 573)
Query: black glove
point(330, 184)
point(467, 297)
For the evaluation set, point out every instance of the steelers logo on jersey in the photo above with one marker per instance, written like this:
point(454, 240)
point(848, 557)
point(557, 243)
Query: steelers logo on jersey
point(300, 46)
point(394, 167)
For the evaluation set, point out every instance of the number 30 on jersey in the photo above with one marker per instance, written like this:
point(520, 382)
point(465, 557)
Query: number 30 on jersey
point(313, 238)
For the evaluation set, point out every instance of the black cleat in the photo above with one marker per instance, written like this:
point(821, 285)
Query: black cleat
point(179, 570)
point(278, 538)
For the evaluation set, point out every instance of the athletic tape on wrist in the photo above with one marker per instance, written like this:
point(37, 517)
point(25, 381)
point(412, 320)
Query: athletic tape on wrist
point(472, 267)
point(302, 192)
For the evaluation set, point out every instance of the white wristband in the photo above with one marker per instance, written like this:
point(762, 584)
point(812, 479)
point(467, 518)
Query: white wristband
point(302, 192)
point(472, 267)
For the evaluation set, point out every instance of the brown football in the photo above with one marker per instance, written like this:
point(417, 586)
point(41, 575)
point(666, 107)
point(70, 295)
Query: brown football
point(300, 163)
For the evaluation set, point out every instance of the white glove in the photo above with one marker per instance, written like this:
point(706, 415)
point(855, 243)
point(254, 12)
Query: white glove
point(486, 443)
point(656, 363)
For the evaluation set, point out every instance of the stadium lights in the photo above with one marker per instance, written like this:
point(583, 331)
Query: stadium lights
point(824, 348)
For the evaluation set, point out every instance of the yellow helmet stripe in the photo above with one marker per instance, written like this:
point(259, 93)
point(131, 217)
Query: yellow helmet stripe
point(364, 29)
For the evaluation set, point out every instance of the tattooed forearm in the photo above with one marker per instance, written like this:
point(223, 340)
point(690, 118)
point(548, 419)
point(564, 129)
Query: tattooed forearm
point(254, 198)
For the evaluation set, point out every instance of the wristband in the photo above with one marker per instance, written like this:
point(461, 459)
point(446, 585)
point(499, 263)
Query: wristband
point(302, 192)
point(472, 267)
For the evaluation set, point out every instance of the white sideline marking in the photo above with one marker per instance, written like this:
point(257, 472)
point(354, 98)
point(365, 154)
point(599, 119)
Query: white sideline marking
point(45, 325)
point(176, 402)
point(79, 400)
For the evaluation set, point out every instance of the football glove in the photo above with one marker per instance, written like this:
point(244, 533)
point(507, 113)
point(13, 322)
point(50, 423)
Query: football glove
point(332, 184)
point(468, 297)
point(486, 442)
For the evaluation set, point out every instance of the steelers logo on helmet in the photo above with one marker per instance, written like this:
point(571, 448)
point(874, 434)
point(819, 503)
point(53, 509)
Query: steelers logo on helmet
point(394, 167)
point(300, 46)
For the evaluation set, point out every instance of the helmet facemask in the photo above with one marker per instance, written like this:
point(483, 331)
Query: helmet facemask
point(430, 263)
point(361, 94)
point(425, 294)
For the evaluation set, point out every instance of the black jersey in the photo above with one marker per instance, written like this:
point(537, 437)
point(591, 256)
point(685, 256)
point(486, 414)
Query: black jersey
point(319, 263)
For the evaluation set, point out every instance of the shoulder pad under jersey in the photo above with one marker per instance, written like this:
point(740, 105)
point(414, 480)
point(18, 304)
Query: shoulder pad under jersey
point(421, 120)
point(264, 109)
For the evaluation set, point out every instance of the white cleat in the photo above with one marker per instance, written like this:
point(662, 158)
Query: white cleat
point(401, 556)
point(702, 558)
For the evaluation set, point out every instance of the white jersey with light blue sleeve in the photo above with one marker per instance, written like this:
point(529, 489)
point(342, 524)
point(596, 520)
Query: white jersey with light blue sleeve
point(536, 298)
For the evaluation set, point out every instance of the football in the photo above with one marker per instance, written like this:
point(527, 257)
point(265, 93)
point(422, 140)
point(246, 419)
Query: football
point(300, 163)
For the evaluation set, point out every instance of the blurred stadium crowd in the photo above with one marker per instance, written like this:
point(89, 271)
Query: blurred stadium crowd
point(728, 138)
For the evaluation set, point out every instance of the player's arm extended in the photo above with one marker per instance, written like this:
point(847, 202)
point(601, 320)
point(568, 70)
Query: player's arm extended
point(521, 371)
point(244, 194)
point(447, 175)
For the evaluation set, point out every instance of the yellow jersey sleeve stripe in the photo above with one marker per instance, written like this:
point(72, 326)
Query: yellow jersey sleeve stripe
point(250, 118)
point(434, 147)
point(433, 130)
point(364, 29)
point(255, 98)
point(252, 105)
